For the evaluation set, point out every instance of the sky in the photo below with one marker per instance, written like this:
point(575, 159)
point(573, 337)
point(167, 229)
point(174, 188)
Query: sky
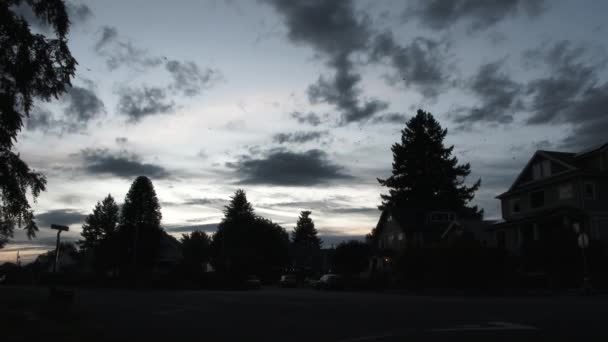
point(299, 102)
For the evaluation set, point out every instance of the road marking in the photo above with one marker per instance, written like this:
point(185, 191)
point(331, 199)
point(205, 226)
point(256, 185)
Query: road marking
point(490, 326)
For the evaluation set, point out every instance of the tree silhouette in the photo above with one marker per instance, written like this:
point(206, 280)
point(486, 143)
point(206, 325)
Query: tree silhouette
point(100, 235)
point(425, 175)
point(32, 66)
point(140, 230)
point(352, 257)
point(100, 224)
point(305, 242)
point(195, 249)
point(247, 244)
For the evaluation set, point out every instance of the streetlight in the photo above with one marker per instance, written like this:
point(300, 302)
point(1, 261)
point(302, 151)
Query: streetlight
point(59, 229)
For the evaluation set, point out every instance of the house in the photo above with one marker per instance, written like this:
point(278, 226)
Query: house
point(405, 228)
point(556, 194)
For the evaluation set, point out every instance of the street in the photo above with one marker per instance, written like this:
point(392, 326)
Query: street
point(306, 315)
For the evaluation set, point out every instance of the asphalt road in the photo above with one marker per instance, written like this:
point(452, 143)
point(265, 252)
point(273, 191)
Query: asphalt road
point(308, 315)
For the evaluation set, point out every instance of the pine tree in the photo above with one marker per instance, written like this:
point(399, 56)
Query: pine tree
point(305, 234)
point(100, 224)
point(425, 175)
point(305, 242)
point(32, 66)
point(140, 223)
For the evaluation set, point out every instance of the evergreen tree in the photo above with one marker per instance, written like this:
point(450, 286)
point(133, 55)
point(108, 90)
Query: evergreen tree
point(247, 244)
point(195, 248)
point(306, 245)
point(100, 224)
point(140, 228)
point(32, 66)
point(425, 175)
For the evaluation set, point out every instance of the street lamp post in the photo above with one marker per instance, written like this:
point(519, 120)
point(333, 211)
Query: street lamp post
point(59, 229)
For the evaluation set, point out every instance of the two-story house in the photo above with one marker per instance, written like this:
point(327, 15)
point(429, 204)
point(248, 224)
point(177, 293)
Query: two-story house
point(397, 230)
point(555, 195)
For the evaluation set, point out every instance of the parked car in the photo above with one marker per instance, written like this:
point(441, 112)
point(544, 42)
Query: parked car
point(330, 282)
point(253, 282)
point(288, 280)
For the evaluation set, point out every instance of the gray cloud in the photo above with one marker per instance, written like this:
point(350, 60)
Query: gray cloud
point(420, 64)
point(121, 140)
point(82, 105)
point(310, 118)
point(137, 103)
point(391, 118)
point(330, 205)
point(189, 79)
point(478, 15)
point(299, 137)
point(122, 164)
point(59, 216)
point(78, 13)
point(119, 51)
point(336, 31)
point(211, 202)
point(207, 228)
point(498, 93)
point(571, 92)
point(283, 167)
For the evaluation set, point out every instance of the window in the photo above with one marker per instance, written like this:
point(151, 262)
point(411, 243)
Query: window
point(565, 191)
point(515, 205)
point(589, 190)
point(537, 199)
point(400, 236)
point(541, 169)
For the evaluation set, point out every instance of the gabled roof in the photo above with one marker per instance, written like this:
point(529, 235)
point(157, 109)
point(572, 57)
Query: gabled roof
point(592, 149)
point(563, 158)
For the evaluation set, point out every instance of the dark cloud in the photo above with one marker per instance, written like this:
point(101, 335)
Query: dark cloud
point(420, 64)
point(119, 51)
point(310, 118)
point(121, 140)
point(65, 217)
point(391, 118)
point(121, 164)
point(478, 15)
point(498, 93)
point(207, 228)
point(189, 79)
point(299, 137)
point(282, 167)
point(571, 92)
point(78, 13)
point(137, 103)
point(83, 105)
point(336, 31)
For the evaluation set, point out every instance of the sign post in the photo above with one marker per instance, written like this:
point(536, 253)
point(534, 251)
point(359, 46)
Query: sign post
point(59, 229)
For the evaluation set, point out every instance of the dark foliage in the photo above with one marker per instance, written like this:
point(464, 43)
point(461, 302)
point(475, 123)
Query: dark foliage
point(425, 175)
point(32, 66)
point(352, 257)
point(195, 249)
point(305, 243)
point(246, 244)
point(100, 234)
point(140, 230)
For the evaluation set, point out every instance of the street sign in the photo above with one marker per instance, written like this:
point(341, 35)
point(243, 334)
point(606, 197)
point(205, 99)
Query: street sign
point(583, 240)
point(59, 227)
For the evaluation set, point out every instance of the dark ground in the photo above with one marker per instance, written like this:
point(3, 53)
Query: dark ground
point(297, 315)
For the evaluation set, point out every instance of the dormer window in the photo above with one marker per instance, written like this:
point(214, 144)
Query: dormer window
point(541, 169)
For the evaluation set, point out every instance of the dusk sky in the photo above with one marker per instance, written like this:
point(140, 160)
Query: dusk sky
point(298, 103)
